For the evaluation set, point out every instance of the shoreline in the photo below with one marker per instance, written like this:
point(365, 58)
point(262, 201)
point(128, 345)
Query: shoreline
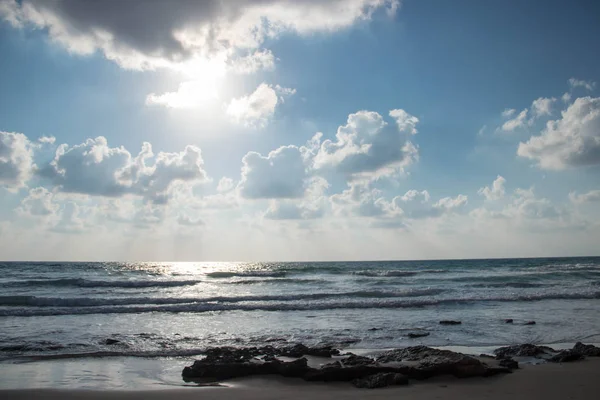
point(578, 380)
point(125, 373)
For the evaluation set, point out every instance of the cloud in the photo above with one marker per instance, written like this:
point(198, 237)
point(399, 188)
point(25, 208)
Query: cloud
point(38, 203)
point(95, 168)
point(416, 204)
point(587, 85)
point(496, 191)
point(47, 139)
point(312, 206)
point(367, 147)
point(279, 175)
point(359, 200)
point(225, 185)
point(590, 197)
point(509, 112)
point(517, 122)
point(190, 94)
point(16, 160)
point(571, 141)
point(253, 62)
point(542, 106)
point(147, 34)
point(255, 109)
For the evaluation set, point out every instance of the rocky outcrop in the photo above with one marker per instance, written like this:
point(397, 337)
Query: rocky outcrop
point(110, 342)
point(587, 349)
point(524, 350)
point(380, 380)
point(566, 356)
point(450, 322)
point(508, 321)
point(529, 323)
point(393, 367)
point(432, 362)
point(508, 363)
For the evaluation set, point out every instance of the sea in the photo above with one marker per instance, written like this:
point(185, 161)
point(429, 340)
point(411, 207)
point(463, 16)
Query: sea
point(128, 324)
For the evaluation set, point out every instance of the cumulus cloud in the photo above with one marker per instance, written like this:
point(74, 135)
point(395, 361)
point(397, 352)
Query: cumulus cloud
point(359, 200)
point(517, 122)
point(255, 109)
point(571, 141)
point(95, 168)
point(16, 160)
point(225, 184)
point(313, 205)
point(147, 34)
point(587, 85)
point(47, 139)
point(509, 112)
point(542, 106)
point(256, 61)
point(279, 175)
point(367, 147)
point(590, 197)
point(496, 191)
point(39, 202)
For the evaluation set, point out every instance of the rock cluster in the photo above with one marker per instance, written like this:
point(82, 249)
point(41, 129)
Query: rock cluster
point(391, 368)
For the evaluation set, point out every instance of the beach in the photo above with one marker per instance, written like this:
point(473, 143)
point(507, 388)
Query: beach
point(579, 380)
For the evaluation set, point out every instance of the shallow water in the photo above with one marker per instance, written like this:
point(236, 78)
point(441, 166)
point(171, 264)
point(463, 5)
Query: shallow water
point(178, 309)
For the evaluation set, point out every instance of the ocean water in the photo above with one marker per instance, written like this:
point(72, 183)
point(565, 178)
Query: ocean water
point(68, 310)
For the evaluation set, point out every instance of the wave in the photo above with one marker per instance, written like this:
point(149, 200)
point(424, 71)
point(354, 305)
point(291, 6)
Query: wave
point(296, 281)
point(33, 301)
point(233, 274)
point(80, 282)
point(517, 285)
point(286, 306)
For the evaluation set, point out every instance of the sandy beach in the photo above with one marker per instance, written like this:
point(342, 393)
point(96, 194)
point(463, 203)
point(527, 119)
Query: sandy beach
point(578, 380)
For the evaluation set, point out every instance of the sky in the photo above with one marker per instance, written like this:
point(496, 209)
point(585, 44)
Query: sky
point(282, 130)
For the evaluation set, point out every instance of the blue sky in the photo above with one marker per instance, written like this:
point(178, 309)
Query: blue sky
point(464, 129)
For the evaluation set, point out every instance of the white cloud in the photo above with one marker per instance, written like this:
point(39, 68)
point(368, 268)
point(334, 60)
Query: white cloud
point(47, 139)
point(517, 122)
point(496, 191)
point(590, 197)
point(542, 106)
point(571, 141)
point(587, 85)
point(281, 174)
point(417, 205)
point(95, 168)
point(566, 97)
point(509, 112)
point(256, 109)
point(39, 202)
point(167, 35)
point(225, 184)
point(190, 94)
point(367, 147)
point(16, 160)
point(312, 206)
point(253, 62)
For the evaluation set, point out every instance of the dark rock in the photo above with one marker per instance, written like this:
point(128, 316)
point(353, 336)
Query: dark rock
point(227, 370)
point(508, 321)
point(587, 349)
point(374, 329)
point(450, 322)
point(566, 356)
point(380, 380)
point(524, 350)
point(414, 335)
point(529, 323)
point(300, 350)
point(293, 369)
point(433, 362)
point(111, 341)
point(354, 360)
point(509, 363)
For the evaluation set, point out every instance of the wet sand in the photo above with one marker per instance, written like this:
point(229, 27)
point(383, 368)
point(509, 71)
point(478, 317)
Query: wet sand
point(577, 380)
